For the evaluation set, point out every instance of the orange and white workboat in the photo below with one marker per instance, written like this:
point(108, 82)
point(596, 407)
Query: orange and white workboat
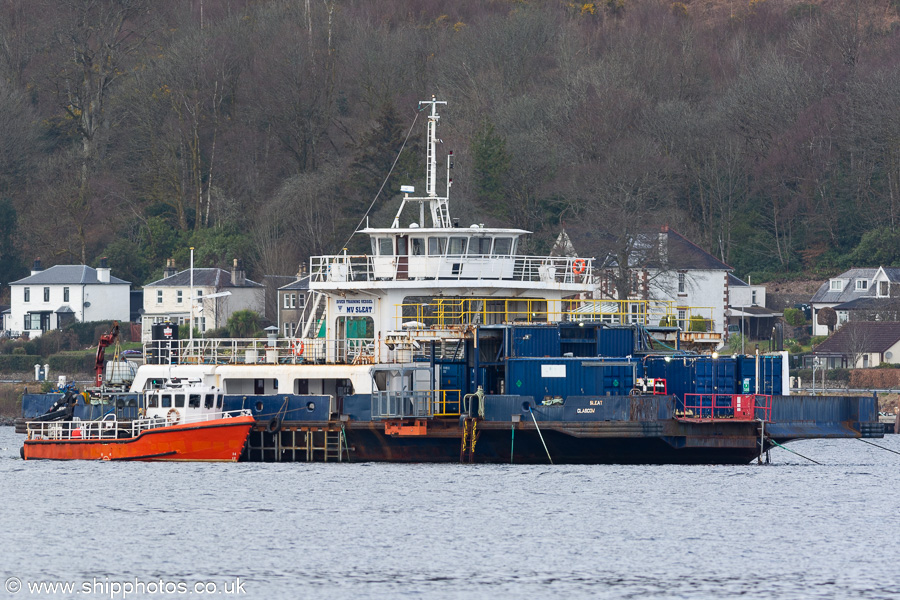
point(182, 421)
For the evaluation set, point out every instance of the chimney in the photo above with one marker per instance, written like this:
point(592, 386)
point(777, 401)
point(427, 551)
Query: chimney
point(103, 271)
point(170, 268)
point(664, 245)
point(37, 266)
point(237, 274)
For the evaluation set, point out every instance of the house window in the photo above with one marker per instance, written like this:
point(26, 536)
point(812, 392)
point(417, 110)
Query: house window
point(200, 324)
point(862, 284)
point(288, 329)
point(290, 300)
point(753, 298)
point(681, 286)
point(836, 285)
point(179, 295)
point(882, 288)
point(27, 294)
point(65, 294)
point(682, 315)
point(46, 294)
point(159, 296)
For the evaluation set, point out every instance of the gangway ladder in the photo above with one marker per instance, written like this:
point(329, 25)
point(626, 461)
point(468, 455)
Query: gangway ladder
point(762, 443)
point(315, 307)
point(470, 434)
point(334, 446)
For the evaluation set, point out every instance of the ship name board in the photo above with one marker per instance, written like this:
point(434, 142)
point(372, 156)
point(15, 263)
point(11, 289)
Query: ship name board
point(354, 307)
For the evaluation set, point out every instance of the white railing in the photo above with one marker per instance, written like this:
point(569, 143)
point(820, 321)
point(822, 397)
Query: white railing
point(230, 351)
point(342, 268)
point(402, 404)
point(110, 429)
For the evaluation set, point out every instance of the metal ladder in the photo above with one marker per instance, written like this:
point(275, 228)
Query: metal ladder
point(334, 446)
point(469, 438)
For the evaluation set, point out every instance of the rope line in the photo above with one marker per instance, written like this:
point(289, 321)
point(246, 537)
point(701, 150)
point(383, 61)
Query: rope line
point(877, 446)
point(792, 452)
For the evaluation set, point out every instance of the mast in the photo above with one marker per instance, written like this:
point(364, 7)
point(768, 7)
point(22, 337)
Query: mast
point(440, 210)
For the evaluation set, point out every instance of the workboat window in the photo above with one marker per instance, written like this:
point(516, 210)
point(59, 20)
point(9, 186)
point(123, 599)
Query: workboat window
point(385, 246)
point(152, 401)
point(418, 246)
point(402, 245)
point(480, 246)
point(218, 401)
point(457, 245)
point(179, 400)
point(209, 401)
point(194, 401)
point(503, 247)
point(437, 246)
point(166, 401)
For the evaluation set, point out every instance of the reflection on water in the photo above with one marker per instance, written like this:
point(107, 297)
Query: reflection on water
point(787, 530)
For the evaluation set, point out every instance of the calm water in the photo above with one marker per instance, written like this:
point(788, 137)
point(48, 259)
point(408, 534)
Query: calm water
point(787, 530)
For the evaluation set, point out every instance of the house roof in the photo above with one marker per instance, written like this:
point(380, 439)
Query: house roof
point(824, 295)
point(734, 281)
point(65, 308)
point(300, 284)
point(71, 274)
point(206, 277)
point(893, 273)
point(866, 336)
point(667, 249)
point(752, 311)
point(869, 303)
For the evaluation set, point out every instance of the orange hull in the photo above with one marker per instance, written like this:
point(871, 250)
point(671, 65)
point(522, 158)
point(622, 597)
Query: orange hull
point(209, 441)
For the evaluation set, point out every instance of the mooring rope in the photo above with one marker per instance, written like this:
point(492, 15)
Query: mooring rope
point(792, 452)
point(877, 446)
point(540, 435)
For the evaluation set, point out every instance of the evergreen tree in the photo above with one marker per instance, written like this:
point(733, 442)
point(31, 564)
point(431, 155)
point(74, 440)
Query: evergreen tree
point(11, 266)
point(491, 169)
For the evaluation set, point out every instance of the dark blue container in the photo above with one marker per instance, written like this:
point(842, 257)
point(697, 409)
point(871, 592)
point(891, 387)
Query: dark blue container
point(534, 340)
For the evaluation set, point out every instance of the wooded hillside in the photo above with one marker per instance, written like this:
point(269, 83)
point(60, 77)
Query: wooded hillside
point(767, 131)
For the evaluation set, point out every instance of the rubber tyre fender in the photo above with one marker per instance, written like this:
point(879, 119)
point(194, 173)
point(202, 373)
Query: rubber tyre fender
point(274, 425)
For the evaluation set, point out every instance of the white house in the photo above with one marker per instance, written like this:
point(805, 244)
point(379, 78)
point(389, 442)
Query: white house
point(844, 292)
point(747, 312)
point(669, 268)
point(219, 293)
point(48, 299)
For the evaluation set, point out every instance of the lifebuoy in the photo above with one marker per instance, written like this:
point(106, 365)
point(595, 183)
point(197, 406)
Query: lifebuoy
point(298, 348)
point(173, 416)
point(579, 265)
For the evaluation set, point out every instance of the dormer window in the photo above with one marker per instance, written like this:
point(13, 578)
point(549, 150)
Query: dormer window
point(862, 284)
point(882, 288)
point(836, 285)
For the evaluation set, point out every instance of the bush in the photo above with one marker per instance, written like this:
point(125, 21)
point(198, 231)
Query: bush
point(698, 324)
point(794, 317)
point(80, 362)
point(88, 333)
point(817, 339)
point(18, 363)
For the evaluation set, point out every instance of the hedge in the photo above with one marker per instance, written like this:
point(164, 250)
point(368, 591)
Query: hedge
point(19, 363)
point(72, 363)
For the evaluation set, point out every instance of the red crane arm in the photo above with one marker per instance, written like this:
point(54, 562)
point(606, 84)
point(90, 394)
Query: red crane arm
point(105, 340)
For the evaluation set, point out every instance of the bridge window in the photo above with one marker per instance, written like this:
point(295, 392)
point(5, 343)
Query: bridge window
point(194, 401)
point(209, 401)
point(179, 400)
point(437, 246)
point(385, 247)
point(152, 401)
point(503, 246)
point(418, 246)
point(458, 245)
point(480, 246)
point(166, 400)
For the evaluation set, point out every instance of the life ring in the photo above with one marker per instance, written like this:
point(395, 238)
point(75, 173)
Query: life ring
point(579, 265)
point(298, 348)
point(274, 425)
point(173, 416)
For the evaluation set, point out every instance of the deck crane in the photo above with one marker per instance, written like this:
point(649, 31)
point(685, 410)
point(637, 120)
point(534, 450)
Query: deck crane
point(105, 340)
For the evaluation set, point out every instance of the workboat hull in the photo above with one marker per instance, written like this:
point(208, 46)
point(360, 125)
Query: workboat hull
point(219, 440)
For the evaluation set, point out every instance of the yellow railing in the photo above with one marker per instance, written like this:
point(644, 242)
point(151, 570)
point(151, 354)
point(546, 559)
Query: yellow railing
point(442, 313)
point(447, 402)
